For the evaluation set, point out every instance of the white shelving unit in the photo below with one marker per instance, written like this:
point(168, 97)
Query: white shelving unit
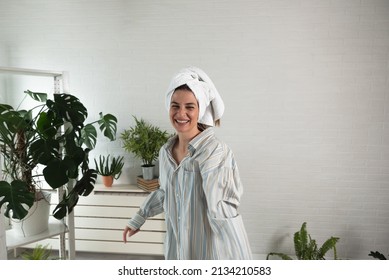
point(8, 239)
point(55, 228)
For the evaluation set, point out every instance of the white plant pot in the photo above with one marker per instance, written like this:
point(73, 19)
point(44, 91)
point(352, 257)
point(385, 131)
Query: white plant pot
point(148, 172)
point(37, 219)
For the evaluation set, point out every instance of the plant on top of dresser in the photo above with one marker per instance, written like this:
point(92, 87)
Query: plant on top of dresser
point(109, 168)
point(144, 140)
point(54, 136)
point(306, 248)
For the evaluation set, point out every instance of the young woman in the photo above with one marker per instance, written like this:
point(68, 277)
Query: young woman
point(200, 187)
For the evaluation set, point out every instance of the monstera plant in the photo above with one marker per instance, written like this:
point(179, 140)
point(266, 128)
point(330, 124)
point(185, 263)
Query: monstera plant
point(52, 136)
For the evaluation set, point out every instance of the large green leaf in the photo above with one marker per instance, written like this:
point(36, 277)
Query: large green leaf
point(45, 125)
point(108, 125)
point(328, 245)
point(66, 205)
point(83, 187)
point(70, 108)
point(86, 184)
point(38, 96)
point(73, 161)
point(89, 136)
point(55, 173)
point(13, 121)
point(44, 151)
point(16, 196)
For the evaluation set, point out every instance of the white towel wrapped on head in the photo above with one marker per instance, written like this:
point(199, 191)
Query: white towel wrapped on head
point(211, 106)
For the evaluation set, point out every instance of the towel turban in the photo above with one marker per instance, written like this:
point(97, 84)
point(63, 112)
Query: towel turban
point(211, 106)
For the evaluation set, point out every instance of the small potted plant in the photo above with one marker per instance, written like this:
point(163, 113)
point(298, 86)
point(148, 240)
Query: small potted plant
point(109, 169)
point(144, 140)
point(306, 248)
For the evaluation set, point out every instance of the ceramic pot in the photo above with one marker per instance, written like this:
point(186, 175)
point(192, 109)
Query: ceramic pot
point(107, 180)
point(37, 219)
point(148, 172)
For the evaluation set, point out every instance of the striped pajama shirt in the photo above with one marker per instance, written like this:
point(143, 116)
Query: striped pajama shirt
point(200, 198)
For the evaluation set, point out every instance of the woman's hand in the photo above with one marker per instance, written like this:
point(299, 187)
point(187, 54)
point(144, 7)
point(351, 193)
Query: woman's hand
point(129, 232)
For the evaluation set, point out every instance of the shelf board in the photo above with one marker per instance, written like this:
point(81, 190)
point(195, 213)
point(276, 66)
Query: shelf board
point(34, 72)
point(126, 189)
point(14, 240)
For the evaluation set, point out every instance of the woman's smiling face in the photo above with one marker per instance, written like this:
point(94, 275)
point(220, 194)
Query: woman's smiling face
point(184, 112)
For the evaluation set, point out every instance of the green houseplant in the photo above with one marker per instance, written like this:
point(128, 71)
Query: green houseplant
point(109, 169)
point(306, 248)
point(377, 255)
point(53, 135)
point(40, 252)
point(144, 140)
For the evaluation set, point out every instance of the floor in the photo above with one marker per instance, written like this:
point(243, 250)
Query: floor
point(89, 256)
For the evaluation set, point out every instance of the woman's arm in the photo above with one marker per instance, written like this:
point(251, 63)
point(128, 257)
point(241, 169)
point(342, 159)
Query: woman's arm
point(152, 206)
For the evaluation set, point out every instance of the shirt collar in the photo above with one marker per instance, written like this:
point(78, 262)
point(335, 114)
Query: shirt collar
point(195, 143)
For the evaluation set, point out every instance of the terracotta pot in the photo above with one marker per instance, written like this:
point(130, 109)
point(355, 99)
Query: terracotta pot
point(107, 180)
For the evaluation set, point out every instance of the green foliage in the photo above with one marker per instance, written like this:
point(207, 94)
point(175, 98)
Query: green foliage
point(16, 194)
point(55, 135)
point(144, 141)
point(110, 167)
point(377, 255)
point(306, 248)
point(39, 253)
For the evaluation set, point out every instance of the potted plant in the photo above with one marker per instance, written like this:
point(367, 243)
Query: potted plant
point(55, 136)
point(109, 169)
point(40, 252)
point(306, 248)
point(144, 140)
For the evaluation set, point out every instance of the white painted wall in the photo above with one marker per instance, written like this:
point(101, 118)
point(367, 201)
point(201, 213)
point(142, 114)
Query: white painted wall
point(305, 84)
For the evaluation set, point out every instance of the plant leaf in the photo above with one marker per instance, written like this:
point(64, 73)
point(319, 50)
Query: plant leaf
point(16, 195)
point(55, 173)
point(45, 126)
point(89, 135)
point(328, 245)
point(44, 151)
point(38, 96)
point(377, 255)
point(281, 255)
point(108, 125)
point(86, 184)
point(83, 187)
point(66, 205)
point(70, 108)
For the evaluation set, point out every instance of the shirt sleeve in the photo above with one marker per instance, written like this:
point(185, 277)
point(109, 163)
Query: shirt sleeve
point(223, 189)
point(152, 206)
point(222, 185)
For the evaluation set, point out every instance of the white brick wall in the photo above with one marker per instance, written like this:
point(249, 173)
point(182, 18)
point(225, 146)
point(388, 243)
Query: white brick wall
point(305, 85)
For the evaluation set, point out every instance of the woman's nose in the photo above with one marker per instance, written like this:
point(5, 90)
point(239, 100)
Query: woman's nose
point(181, 112)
